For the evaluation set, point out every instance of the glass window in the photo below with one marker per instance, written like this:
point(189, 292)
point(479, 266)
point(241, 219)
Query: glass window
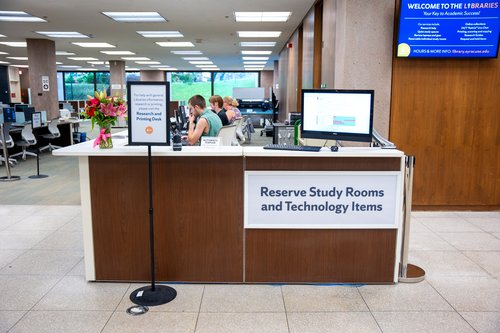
point(183, 85)
point(133, 76)
point(77, 85)
point(224, 82)
point(102, 81)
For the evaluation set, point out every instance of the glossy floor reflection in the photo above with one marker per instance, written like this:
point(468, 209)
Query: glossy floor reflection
point(42, 286)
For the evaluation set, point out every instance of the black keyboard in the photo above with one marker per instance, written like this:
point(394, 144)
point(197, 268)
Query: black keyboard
point(291, 147)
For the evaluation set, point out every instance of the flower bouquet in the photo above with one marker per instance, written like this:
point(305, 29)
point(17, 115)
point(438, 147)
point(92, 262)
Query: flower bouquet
point(104, 111)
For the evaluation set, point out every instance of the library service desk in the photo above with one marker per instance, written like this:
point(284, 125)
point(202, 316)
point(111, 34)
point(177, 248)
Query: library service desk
point(241, 214)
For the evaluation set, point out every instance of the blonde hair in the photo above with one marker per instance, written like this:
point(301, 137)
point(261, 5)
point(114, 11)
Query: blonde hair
point(231, 101)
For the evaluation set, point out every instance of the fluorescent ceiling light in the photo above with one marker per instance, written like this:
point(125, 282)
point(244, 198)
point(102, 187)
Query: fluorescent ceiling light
point(257, 44)
point(82, 58)
point(3, 53)
point(160, 34)
point(2, 36)
point(163, 68)
point(69, 66)
point(96, 62)
point(4, 62)
point(148, 62)
point(186, 52)
point(17, 58)
point(195, 58)
point(210, 69)
point(14, 44)
point(87, 69)
point(201, 62)
point(58, 63)
point(255, 52)
point(254, 62)
point(175, 44)
point(159, 66)
point(118, 52)
point(102, 45)
point(258, 34)
point(20, 66)
point(17, 16)
point(261, 16)
point(131, 68)
point(64, 53)
point(255, 58)
point(253, 66)
point(62, 34)
point(135, 16)
point(135, 58)
point(206, 66)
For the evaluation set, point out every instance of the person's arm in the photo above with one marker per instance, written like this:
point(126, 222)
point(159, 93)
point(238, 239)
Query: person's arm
point(194, 133)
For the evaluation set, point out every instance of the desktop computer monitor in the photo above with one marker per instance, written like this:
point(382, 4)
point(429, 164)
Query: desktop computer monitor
point(183, 112)
point(337, 114)
point(20, 118)
point(9, 115)
point(21, 107)
point(28, 113)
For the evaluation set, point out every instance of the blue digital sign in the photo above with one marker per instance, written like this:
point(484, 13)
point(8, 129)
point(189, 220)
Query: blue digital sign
point(449, 29)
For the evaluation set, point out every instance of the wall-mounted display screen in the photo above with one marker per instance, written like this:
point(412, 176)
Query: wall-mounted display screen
point(449, 29)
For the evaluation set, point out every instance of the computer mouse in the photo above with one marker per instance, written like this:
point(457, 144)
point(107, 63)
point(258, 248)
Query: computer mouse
point(334, 148)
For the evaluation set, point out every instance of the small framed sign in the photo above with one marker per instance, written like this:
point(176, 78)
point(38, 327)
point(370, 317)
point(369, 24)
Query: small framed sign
point(36, 120)
point(148, 114)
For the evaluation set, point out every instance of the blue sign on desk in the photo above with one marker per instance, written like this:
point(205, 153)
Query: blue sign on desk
point(449, 29)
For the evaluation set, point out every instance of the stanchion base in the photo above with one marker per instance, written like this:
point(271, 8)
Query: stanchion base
point(9, 179)
point(146, 296)
point(38, 176)
point(414, 274)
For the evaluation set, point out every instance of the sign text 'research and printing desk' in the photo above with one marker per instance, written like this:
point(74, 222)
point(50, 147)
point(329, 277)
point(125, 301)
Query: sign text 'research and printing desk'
point(233, 214)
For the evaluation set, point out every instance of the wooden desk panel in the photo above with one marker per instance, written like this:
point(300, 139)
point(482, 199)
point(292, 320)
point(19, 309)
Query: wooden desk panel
point(324, 164)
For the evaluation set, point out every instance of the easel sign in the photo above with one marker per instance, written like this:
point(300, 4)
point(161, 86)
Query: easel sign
point(36, 120)
point(148, 119)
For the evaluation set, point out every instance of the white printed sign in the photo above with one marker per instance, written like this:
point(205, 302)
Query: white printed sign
point(148, 114)
point(45, 83)
point(323, 199)
point(210, 141)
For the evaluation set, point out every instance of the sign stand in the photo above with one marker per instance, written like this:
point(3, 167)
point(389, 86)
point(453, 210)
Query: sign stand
point(149, 123)
point(36, 121)
point(9, 177)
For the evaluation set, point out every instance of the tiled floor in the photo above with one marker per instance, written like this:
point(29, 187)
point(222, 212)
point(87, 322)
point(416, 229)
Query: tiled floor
point(42, 287)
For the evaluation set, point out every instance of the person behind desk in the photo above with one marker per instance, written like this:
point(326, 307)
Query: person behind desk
point(208, 123)
point(216, 106)
point(232, 112)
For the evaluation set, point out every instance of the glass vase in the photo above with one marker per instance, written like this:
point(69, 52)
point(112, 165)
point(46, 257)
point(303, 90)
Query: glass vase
point(106, 141)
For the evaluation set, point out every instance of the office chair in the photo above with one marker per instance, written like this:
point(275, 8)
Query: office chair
point(54, 134)
point(9, 143)
point(227, 134)
point(28, 139)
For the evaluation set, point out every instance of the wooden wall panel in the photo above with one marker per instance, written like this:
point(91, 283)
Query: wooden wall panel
point(308, 50)
point(446, 112)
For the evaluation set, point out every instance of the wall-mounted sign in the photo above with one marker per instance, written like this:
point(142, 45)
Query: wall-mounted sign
point(148, 116)
point(45, 83)
point(116, 86)
point(323, 199)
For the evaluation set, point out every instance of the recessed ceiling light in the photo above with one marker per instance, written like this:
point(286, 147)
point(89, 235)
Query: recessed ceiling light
point(163, 68)
point(175, 44)
point(186, 52)
point(82, 58)
point(159, 66)
point(2, 36)
point(64, 53)
point(14, 44)
point(257, 44)
point(135, 16)
point(201, 62)
point(136, 58)
point(3, 53)
point(255, 52)
point(62, 34)
point(195, 58)
point(148, 62)
point(17, 58)
point(160, 34)
point(253, 66)
point(206, 66)
point(118, 52)
point(102, 45)
point(58, 63)
point(132, 68)
point(69, 66)
point(96, 62)
point(255, 58)
point(254, 62)
point(261, 16)
point(210, 69)
point(4, 62)
point(20, 66)
point(17, 16)
point(258, 34)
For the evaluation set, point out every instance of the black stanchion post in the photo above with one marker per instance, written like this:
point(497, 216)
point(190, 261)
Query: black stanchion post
point(38, 175)
point(152, 295)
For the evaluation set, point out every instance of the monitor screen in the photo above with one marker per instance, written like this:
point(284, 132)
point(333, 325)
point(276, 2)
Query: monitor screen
point(21, 107)
point(448, 29)
point(28, 112)
point(9, 115)
point(183, 113)
point(337, 114)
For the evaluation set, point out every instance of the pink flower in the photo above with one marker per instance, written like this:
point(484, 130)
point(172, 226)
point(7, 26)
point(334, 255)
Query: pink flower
point(94, 102)
point(121, 110)
point(108, 110)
